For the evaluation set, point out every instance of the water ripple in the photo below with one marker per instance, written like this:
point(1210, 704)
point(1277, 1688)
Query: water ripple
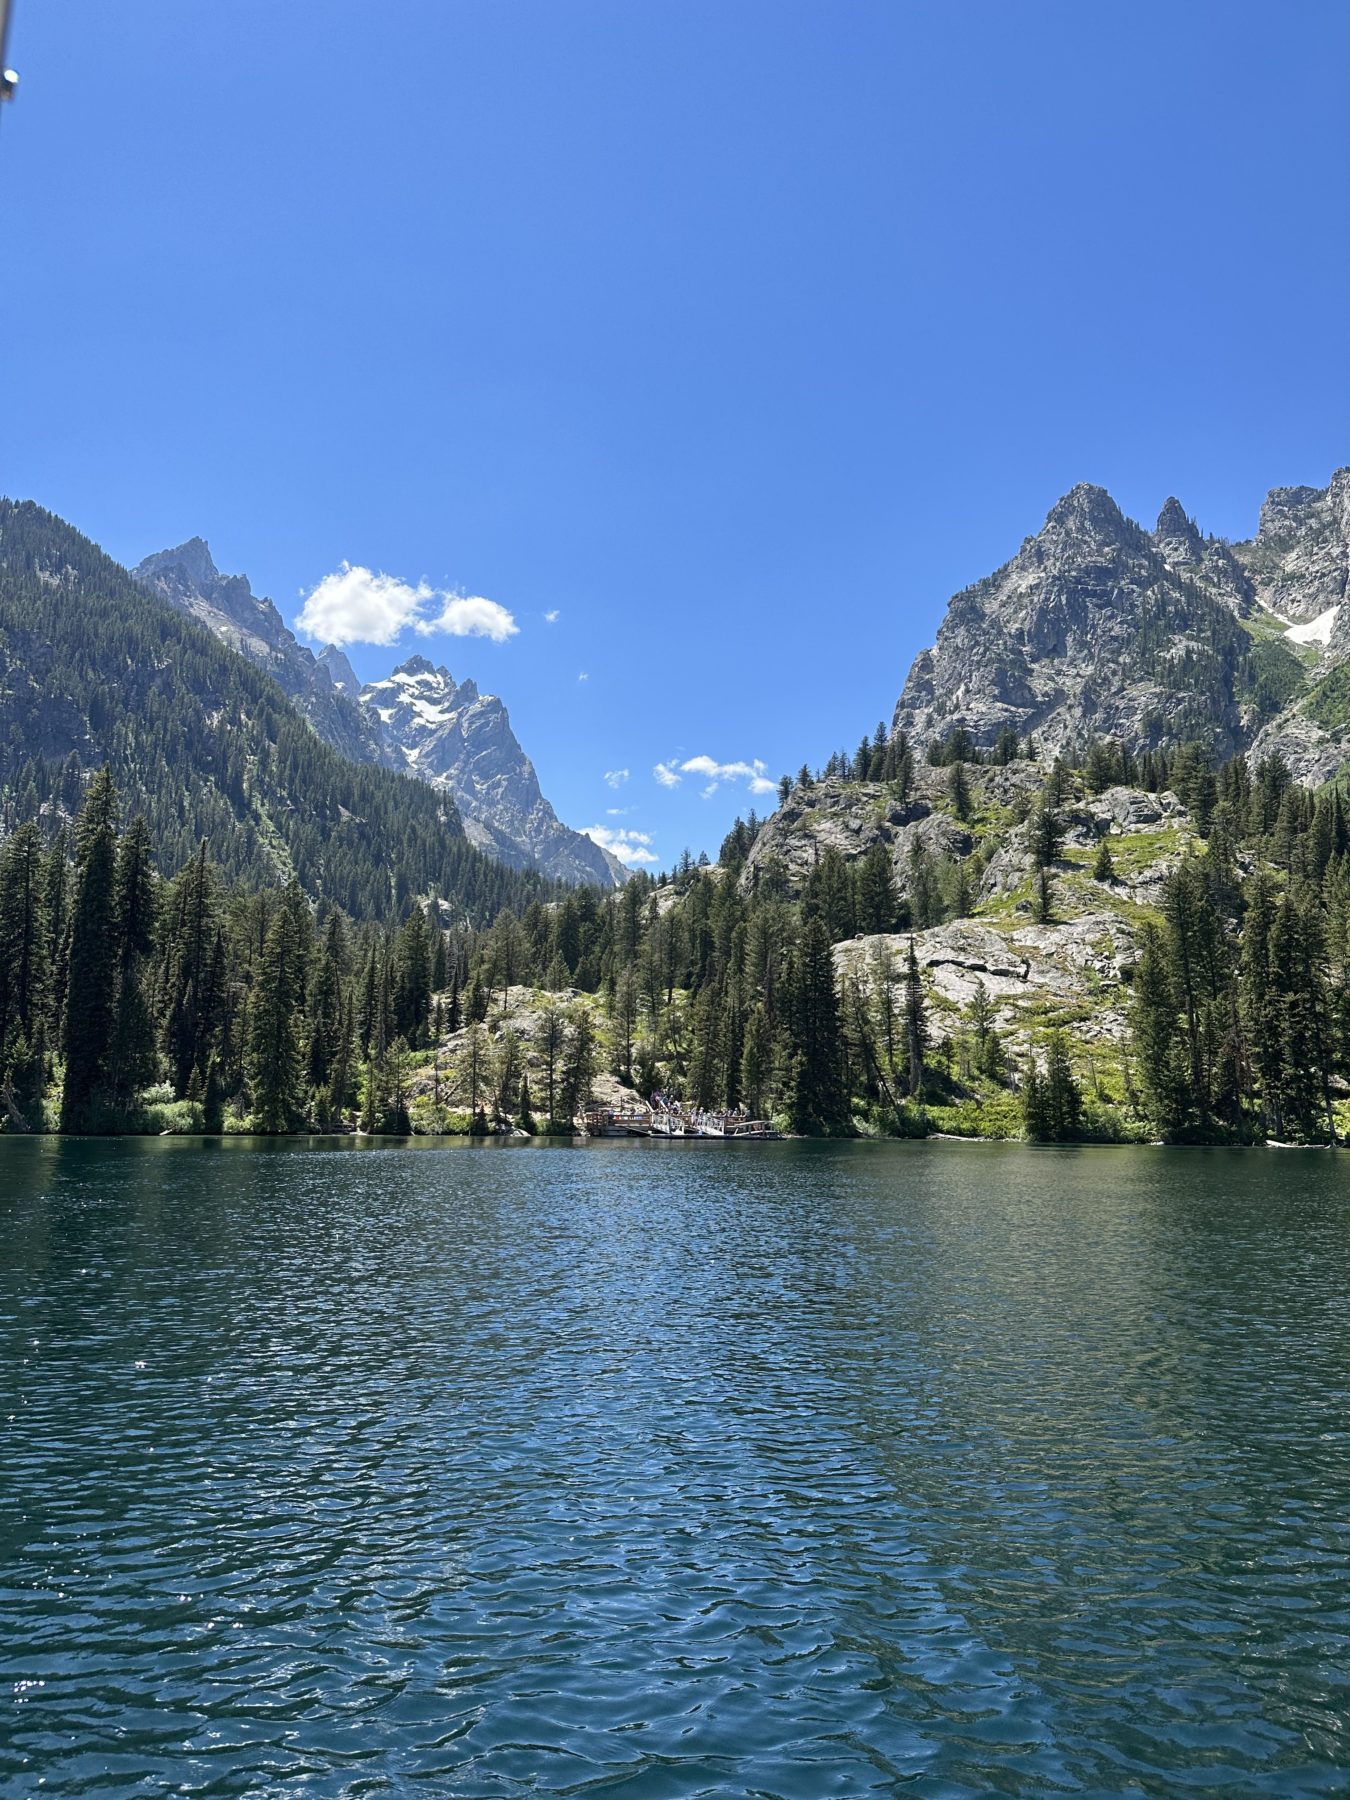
point(784, 1470)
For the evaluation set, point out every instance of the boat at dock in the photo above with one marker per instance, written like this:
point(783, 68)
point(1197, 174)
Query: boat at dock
point(617, 1122)
point(668, 1118)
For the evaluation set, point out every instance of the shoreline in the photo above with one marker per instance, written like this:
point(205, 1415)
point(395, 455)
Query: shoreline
point(578, 1141)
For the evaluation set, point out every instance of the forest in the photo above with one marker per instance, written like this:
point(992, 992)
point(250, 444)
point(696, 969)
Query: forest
point(134, 1000)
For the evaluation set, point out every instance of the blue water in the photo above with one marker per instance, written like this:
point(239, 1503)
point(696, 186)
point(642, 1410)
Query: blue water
point(656, 1471)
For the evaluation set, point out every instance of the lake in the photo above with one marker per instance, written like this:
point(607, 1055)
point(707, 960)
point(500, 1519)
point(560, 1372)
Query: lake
point(652, 1471)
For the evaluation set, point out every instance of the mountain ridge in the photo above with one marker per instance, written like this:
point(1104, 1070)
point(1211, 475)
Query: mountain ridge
point(1096, 627)
point(96, 669)
point(477, 758)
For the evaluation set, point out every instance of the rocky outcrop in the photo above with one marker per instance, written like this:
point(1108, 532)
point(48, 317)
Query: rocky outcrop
point(1096, 628)
point(1036, 975)
point(1313, 754)
point(852, 816)
point(1299, 560)
point(418, 720)
point(447, 733)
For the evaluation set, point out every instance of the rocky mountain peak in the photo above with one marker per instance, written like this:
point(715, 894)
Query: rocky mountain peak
point(340, 672)
point(1089, 631)
point(188, 579)
point(192, 558)
point(1173, 522)
point(1085, 511)
point(422, 665)
point(447, 733)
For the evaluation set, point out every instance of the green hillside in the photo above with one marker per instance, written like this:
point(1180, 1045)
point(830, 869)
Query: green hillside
point(94, 671)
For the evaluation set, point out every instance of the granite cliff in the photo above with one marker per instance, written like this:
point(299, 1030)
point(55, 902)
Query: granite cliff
point(1097, 628)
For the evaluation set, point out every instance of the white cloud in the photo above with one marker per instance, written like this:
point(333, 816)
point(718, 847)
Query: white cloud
point(616, 777)
point(551, 618)
point(470, 615)
point(631, 847)
point(583, 676)
point(617, 812)
point(754, 774)
point(354, 605)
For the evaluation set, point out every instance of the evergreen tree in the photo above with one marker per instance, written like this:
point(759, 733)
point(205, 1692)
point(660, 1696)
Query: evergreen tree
point(92, 965)
point(192, 985)
point(878, 901)
point(273, 1028)
point(925, 891)
point(818, 1101)
point(958, 789)
point(25, 947)
point(757, 1062)
point(411, 989)
point(550, 1040)
point(1154, 1033)
point(1063, 1098)
point(132, 1061)
point(577, 1074)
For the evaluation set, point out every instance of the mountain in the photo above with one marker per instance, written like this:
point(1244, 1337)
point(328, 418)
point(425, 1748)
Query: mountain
point(188, 578)
point(450, 735)
point(419, 720)
point(1097, 628)
point(95, 668)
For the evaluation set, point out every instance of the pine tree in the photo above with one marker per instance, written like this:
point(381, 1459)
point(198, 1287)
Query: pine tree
point(25, 972)
point(273, 1029)
point(818, 1100)
point(524, 1115)
point(92, 967)
point(1034, 1115)
point(550, 1039)
point(958, 789)
point(577, 1072)
point(132, 1061)
point(757, 1061)
point(1154, 1033)
point(625, 1014)
point(410, 998)
point(1104, 867)
point(705, 1049)
point(878, 901)
point(327, 1000)
point(925, 891)
point(1063, 1098)
point(192, 986)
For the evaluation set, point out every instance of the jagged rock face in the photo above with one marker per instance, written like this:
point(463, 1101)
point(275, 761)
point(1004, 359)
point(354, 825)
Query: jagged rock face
point(340, 672)
point(1205, 561)
point(419, 720)
point(1311, 752)
point(188, 578)
point(1299, 559)
point(449, 734)
point(1094, 629)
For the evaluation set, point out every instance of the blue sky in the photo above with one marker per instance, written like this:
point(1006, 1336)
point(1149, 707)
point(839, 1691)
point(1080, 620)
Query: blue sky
point(736, 336)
